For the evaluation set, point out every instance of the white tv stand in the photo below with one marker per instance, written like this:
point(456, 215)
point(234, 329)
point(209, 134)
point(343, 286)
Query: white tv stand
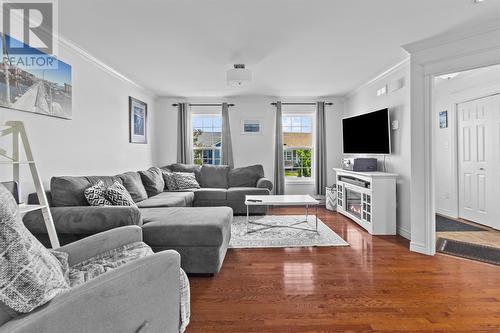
point(369, 199)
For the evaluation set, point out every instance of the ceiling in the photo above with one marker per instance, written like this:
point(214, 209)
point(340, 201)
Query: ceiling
point(294, 47)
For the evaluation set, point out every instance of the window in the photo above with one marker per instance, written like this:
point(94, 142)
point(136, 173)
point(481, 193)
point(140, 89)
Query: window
point(298, 146)
point(207, 138)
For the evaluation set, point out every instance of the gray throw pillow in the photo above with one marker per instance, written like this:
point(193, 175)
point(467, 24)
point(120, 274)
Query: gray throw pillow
point(153, 181)
point(96, 195)
point(185, 180)
point(214, 176)
point(119, 196)
point(133, 183)
point(30, 275)
point(169, 179)
point(179, 167)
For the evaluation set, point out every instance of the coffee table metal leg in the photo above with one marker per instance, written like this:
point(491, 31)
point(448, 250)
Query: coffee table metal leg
point(248, 217)
point(307, 212)
point(316, 218)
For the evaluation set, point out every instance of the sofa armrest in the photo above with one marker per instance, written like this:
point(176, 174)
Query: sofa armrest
point(265, 183)
point(84, 220)
point(138, 297)
point(99, 243)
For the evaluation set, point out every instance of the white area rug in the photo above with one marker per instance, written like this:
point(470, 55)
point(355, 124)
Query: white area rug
point(281, 237)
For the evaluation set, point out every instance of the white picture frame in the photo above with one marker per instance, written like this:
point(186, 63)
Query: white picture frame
point(251, 126)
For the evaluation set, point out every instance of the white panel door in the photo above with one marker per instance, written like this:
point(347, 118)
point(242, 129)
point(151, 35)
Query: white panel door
point(479, 160)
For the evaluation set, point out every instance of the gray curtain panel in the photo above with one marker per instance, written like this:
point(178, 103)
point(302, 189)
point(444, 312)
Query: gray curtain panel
point(279, 167)
point(184, 138)
point(320, 149)
point(227, 146)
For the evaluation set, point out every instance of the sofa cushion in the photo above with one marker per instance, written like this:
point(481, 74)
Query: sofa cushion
point(68, 191)
point(245, 176)
point(30, 275)
point(133, 183)
point(238, 193)
point(168, 199)
point(179, 167)
point(153, 181)
point(96, 195)
point(189, 227)
point(214, 176)
point(119, 196)
point(185, 180)
point(107, 180)
point(210, 194)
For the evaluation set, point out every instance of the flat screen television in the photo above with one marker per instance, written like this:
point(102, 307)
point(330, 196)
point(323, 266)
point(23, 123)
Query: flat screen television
point(368, 133)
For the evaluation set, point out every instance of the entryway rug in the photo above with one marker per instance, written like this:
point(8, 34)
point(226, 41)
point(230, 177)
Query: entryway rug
point(482, 253)
point(282, 237)
point(447, 224)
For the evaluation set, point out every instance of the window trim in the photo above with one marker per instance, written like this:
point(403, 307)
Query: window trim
point(204, 113)
point(303, 180)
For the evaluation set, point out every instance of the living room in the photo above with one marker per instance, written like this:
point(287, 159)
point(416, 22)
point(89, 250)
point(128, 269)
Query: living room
point(287, 157)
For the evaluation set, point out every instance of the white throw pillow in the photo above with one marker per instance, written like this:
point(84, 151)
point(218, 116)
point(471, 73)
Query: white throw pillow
point(30, 275)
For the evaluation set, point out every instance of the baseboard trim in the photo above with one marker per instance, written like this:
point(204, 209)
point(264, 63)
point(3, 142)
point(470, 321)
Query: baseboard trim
point(404, 233)
point(419, 248)
point(447, 213)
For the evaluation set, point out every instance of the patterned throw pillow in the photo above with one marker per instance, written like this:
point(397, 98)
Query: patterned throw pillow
point(119, 196)
point(185, 180)
point(96, 195)
point(30, 275)
point(169, 179)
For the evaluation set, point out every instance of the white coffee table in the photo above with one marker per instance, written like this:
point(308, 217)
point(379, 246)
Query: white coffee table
point(281, 200)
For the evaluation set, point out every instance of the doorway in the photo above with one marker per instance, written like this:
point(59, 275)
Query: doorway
point(467, 163)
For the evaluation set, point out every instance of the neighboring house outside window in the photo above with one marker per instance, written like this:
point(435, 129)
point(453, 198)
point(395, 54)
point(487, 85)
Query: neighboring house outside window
point(298, 149)
point(207, 138)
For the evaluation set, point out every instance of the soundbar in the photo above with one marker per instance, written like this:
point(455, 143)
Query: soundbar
point(354, 181)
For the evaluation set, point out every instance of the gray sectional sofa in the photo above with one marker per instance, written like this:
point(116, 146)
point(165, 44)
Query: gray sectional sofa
point(194, 222)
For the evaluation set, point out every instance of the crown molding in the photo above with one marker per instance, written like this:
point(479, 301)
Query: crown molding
point(103, 66)
point(466, 31)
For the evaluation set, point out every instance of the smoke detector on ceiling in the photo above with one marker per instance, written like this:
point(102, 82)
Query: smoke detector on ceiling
point(239, 76)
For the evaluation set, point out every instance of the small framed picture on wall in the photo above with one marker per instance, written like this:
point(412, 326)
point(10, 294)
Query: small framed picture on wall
point(138, 116)
point(443, 119)
point(251, 126)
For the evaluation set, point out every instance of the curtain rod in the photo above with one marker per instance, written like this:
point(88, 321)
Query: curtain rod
point(298, 103)
point(195, 104)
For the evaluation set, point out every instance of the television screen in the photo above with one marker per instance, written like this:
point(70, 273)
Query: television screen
point(367, 133)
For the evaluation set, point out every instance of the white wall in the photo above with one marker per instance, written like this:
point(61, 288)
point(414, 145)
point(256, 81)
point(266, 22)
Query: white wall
point(447, 94)
point(247, 149)
point(363, 100)
point(96, 140)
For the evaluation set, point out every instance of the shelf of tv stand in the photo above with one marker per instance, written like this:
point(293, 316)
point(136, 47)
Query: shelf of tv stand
point(377, 200)
point(372, 174)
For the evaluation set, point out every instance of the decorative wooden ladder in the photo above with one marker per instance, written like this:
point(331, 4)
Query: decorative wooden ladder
point(18, 132)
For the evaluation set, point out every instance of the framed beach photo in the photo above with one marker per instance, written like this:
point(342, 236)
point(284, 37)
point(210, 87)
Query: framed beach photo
point(443, 119)
point(251, 126)
point(138, 115)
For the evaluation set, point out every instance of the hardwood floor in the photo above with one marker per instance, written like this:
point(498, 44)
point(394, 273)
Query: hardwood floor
point(375, 285)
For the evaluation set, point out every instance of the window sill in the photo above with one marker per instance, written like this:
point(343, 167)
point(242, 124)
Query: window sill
point(298, 181)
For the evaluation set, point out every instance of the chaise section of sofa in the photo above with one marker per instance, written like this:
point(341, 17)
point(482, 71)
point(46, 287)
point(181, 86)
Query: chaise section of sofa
point(200, 235)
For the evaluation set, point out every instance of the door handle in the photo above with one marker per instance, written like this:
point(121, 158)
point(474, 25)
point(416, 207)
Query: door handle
point(482, 169)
